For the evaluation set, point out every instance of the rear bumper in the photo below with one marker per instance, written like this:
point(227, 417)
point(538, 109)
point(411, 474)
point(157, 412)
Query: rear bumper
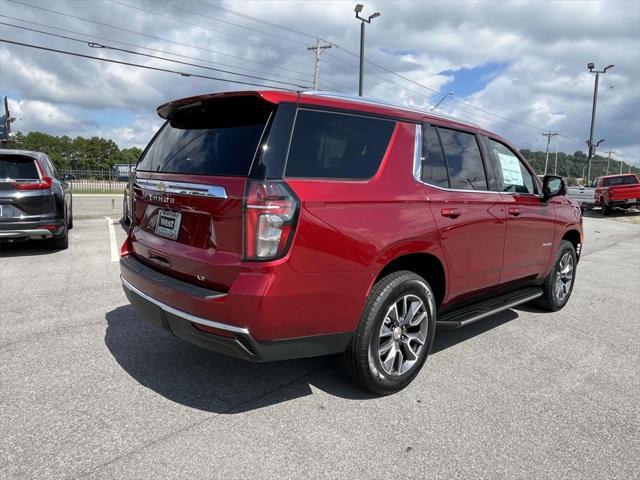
point(221, 337)
point(623, 203)
point(29, 230)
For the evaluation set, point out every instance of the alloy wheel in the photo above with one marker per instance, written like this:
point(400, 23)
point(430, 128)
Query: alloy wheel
point(564, 277)
point(402, 335)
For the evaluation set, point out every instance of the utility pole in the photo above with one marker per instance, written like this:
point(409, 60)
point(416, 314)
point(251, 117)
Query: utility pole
point(620, 167)
point(592, 147)
point(5, 123)
point(548, 135)
point(363, 20)
point(316, 72)
point(609, 161)
point(555, 168)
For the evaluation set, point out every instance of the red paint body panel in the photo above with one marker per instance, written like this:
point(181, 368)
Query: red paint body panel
point(347, 231)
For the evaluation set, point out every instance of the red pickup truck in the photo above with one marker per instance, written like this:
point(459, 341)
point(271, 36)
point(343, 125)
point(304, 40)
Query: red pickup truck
point(617, 191)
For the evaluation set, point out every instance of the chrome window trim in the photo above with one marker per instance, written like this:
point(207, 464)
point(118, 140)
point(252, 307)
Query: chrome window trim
point(185, 315)
point(417, 168)
point(417, 154)
point(182, 188)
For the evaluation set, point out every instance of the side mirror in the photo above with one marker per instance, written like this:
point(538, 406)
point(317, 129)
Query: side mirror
point(552, 186)
point(67, 176)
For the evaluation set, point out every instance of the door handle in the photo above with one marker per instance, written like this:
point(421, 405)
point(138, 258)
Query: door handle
point(514, 211)
point(451, 212)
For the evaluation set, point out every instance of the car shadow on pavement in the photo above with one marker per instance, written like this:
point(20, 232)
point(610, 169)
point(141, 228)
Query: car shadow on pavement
point(615, 213)
point(26, 249)
point(198, 378)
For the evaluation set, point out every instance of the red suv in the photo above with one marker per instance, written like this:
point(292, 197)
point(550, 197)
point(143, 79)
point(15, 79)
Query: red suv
point(272, 225)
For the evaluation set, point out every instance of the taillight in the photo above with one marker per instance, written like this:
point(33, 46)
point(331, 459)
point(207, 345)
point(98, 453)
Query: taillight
point(125, 249)
point(42, 183)
point(270, 212)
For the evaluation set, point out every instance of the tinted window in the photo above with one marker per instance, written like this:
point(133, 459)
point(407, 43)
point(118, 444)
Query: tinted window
point(219, 138)
point(513, 176)
point(626, 180)
point(466, 170)
point(335, 145)
point(17, 167)
point(434, 167)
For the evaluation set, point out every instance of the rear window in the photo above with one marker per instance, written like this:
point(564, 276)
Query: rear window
point(215, 138)
point(18, 167)
point(337, 145)
point(625, 180)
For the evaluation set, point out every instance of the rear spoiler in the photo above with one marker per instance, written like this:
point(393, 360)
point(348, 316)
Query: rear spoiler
point(168, 110)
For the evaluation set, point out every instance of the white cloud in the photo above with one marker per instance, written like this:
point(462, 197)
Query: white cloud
point(42, 116)
point(136, 134)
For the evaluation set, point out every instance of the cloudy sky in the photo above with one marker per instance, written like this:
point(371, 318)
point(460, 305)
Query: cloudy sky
point(518, 68)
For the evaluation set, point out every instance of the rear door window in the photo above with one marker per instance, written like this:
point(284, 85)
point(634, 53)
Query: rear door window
point(18, 167)
point(337, 145)
point(464, 160)
point(434, 166)
point(218, 138)
point(512, 174)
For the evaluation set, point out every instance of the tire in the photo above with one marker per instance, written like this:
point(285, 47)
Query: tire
point(70, 221)
point(553, 299)
point(125, 213)
point(364, 356)
point(606, 209)
point(61, 242)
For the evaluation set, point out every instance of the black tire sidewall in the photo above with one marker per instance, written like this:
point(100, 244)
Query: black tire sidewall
point(411, 285)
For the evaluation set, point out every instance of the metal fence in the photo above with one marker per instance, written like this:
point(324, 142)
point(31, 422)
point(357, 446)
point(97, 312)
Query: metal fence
point(97, 180)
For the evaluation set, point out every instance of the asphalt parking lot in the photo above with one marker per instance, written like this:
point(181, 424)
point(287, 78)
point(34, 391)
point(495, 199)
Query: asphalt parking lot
point(88, 390)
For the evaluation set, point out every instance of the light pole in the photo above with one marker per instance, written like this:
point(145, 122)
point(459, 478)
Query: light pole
point(592, 147)
point(440, 101)
point(363, 20)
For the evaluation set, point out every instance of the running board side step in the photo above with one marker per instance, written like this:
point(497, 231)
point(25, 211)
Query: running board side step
point(478, 311)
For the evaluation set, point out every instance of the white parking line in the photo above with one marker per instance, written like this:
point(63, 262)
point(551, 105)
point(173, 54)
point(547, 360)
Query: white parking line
point(115, 256)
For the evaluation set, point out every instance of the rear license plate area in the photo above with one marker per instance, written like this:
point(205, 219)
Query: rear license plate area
point(168, 225)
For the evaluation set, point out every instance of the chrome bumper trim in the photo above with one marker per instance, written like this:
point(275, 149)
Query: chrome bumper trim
point(38, 232)
point(184, 315)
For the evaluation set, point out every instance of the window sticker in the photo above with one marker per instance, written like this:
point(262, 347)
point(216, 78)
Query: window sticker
point(511, 173)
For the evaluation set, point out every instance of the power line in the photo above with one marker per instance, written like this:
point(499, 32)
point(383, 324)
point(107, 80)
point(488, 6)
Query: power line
point(108, 47)
point(186, 22)
point(130, 64)
point(152, 12)
point(200, 14)
point(222, 32)
point(155, 37)
point(349, 52)
point(200, 59)
point(259, 20)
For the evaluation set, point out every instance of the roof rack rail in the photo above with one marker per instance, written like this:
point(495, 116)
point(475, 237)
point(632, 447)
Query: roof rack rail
point(382, 103)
